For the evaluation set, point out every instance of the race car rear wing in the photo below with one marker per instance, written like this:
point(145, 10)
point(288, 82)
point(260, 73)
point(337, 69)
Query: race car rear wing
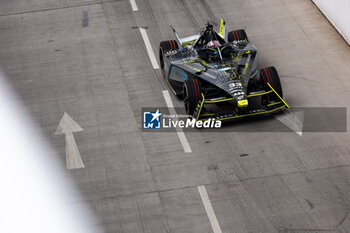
point(189, 41)
point(199, 115)
point(222, 28)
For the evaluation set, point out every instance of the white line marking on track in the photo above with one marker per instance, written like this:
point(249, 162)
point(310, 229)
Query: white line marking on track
point(209, 209)
point(133, 5)
point(186, 146)
point(293, 120)
point(150, 52)
point(68, 126)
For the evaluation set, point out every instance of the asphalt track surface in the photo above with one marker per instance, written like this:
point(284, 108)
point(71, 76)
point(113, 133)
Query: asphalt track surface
point(89, 59)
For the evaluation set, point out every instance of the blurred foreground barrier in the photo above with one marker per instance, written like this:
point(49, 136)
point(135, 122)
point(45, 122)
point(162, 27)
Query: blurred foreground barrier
point(338, 13)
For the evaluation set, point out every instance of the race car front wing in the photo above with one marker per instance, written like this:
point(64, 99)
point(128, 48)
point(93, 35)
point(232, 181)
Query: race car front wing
point(201, 115)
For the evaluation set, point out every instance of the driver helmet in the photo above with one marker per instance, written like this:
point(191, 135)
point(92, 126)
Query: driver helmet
point(212, 52)
point(213, 44)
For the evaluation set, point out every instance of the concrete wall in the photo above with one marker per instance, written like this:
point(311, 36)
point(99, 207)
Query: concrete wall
point(338, 13)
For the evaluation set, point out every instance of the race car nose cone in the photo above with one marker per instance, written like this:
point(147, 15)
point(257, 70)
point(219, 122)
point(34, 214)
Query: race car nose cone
point(242, 103)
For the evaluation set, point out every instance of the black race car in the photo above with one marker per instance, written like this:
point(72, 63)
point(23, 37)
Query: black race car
point(219, 79)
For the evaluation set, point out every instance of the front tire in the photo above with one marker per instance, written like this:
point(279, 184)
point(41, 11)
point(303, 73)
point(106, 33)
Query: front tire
point(191, 94)
point(270, 75)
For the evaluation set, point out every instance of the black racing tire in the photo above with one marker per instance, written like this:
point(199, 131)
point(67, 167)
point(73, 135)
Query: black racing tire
point(270, 75)
point(166, 46)
point(191, 94)
point(237, 35)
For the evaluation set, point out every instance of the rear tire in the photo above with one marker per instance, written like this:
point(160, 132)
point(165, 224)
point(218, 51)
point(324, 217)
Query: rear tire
point(166, 46)
point(237, 35)
point(270, 75)
point(191, 94)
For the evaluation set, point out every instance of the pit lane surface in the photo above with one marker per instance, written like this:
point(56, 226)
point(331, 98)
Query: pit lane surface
point(89, 59)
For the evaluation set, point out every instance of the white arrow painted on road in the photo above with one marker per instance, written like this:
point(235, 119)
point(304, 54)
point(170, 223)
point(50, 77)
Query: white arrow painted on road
point(68, 126)
point(293, 120)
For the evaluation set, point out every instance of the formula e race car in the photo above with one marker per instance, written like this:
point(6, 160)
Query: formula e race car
point(219, 79)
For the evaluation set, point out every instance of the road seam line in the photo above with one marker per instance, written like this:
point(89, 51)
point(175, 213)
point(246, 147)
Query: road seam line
point(133, 5)
point(148, 45)
point(209, 209)
point(57, 8)
point(186, 146)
